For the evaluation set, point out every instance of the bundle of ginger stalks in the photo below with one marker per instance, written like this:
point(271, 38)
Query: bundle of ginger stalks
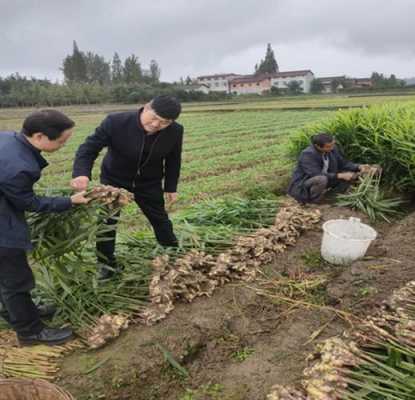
point(375, 362)
point(65, 262)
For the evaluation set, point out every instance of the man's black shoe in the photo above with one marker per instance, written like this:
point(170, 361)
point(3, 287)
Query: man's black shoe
point(47, 336)
point(46, 312)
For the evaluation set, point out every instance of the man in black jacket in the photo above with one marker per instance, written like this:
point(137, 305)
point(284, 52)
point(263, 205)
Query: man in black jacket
point(321, 167)
point(21, 163)
point(143, 148)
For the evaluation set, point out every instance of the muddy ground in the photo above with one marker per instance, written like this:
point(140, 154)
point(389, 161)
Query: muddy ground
point(237, 344)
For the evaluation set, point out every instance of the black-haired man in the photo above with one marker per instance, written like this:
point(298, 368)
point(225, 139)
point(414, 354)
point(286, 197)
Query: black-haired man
point(143, 148)
point(21, 163)
point(320, 167)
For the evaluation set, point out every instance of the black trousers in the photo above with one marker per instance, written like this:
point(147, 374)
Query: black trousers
point(16, 282)
point(151, 202)
point(318, 186)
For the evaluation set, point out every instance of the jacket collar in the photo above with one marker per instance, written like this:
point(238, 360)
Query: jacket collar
point(36, 152)
point(139, 124)
point(315, 151)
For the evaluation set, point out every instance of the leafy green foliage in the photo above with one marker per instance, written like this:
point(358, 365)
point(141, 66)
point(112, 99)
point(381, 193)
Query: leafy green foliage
point(234, 211)
point(382, 135)
point(369, 198)
point(387, 374)
point(294, 87)
point(243, 354)
point(65, 267)
point(268, 65)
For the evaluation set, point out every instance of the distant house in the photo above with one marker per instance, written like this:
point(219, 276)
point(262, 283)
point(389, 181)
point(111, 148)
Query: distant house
point(250, 84)
point(360, 83)
point(332, 84)
point(217, 82)
point(281, 80)
point(258, 84)
point(196, 88)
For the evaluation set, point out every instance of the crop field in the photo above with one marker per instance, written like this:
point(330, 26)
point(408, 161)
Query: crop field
point(250, 291)
point(229, 147)
point(223, 153)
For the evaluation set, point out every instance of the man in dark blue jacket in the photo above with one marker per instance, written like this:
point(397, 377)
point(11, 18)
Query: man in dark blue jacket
point(144, 149)
point(21, 163)
point(321, 167)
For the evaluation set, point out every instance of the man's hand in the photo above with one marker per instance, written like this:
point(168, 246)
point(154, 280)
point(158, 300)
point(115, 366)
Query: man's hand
point(346, 176)
point(170, 198)
point(79, 198)
point(365, 168)
point(370, 169)
point(80, 183)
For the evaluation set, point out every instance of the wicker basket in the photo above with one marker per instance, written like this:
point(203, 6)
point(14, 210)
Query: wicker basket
point(31, 389)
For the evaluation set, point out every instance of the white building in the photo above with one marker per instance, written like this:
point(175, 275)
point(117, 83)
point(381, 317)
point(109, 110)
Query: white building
point(304, 77)
point(217, 82)
point(197, 88)
point(332, 84)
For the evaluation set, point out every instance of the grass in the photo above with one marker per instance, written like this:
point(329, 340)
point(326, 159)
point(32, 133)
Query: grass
point(211, 391)
point(223, 153)
point(242, 354)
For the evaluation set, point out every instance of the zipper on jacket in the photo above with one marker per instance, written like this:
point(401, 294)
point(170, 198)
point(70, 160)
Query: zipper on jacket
point(151, 151)
point(139, 162)
point(147, 159)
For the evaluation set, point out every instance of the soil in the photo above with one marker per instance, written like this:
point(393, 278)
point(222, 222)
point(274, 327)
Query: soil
point(237, 344)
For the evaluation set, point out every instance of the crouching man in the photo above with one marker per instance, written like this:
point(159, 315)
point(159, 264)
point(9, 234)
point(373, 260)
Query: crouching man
point(321, 167)
point(21, 164)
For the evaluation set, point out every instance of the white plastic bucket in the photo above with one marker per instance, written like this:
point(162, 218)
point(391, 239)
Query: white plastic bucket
point(345, 240)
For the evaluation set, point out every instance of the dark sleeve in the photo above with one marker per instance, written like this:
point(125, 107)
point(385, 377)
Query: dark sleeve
point(312, 167)
point(89, 150)
point(172, 166)
point(346, 165)
point(19, 192)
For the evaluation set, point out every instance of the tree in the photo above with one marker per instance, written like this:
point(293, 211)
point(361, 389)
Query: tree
point(154, 71)
point(116, 69)
point(275, 91)
point(188, 80)
point(335, 83)
point(377, 79)
point(132, 70)
point(382, 82)
point(269, 65)
point(294, 87)
point(97, 69)
point(316, 86)
point(74, 66)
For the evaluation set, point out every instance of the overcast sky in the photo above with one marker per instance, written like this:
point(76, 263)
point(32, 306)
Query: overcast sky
point(195, 37)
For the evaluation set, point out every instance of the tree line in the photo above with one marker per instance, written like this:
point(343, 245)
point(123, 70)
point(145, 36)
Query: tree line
point(81, 67)
point(378, 80)
point(18, 91)
point(90, 79)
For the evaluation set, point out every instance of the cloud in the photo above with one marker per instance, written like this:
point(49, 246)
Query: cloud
point(198, 37)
